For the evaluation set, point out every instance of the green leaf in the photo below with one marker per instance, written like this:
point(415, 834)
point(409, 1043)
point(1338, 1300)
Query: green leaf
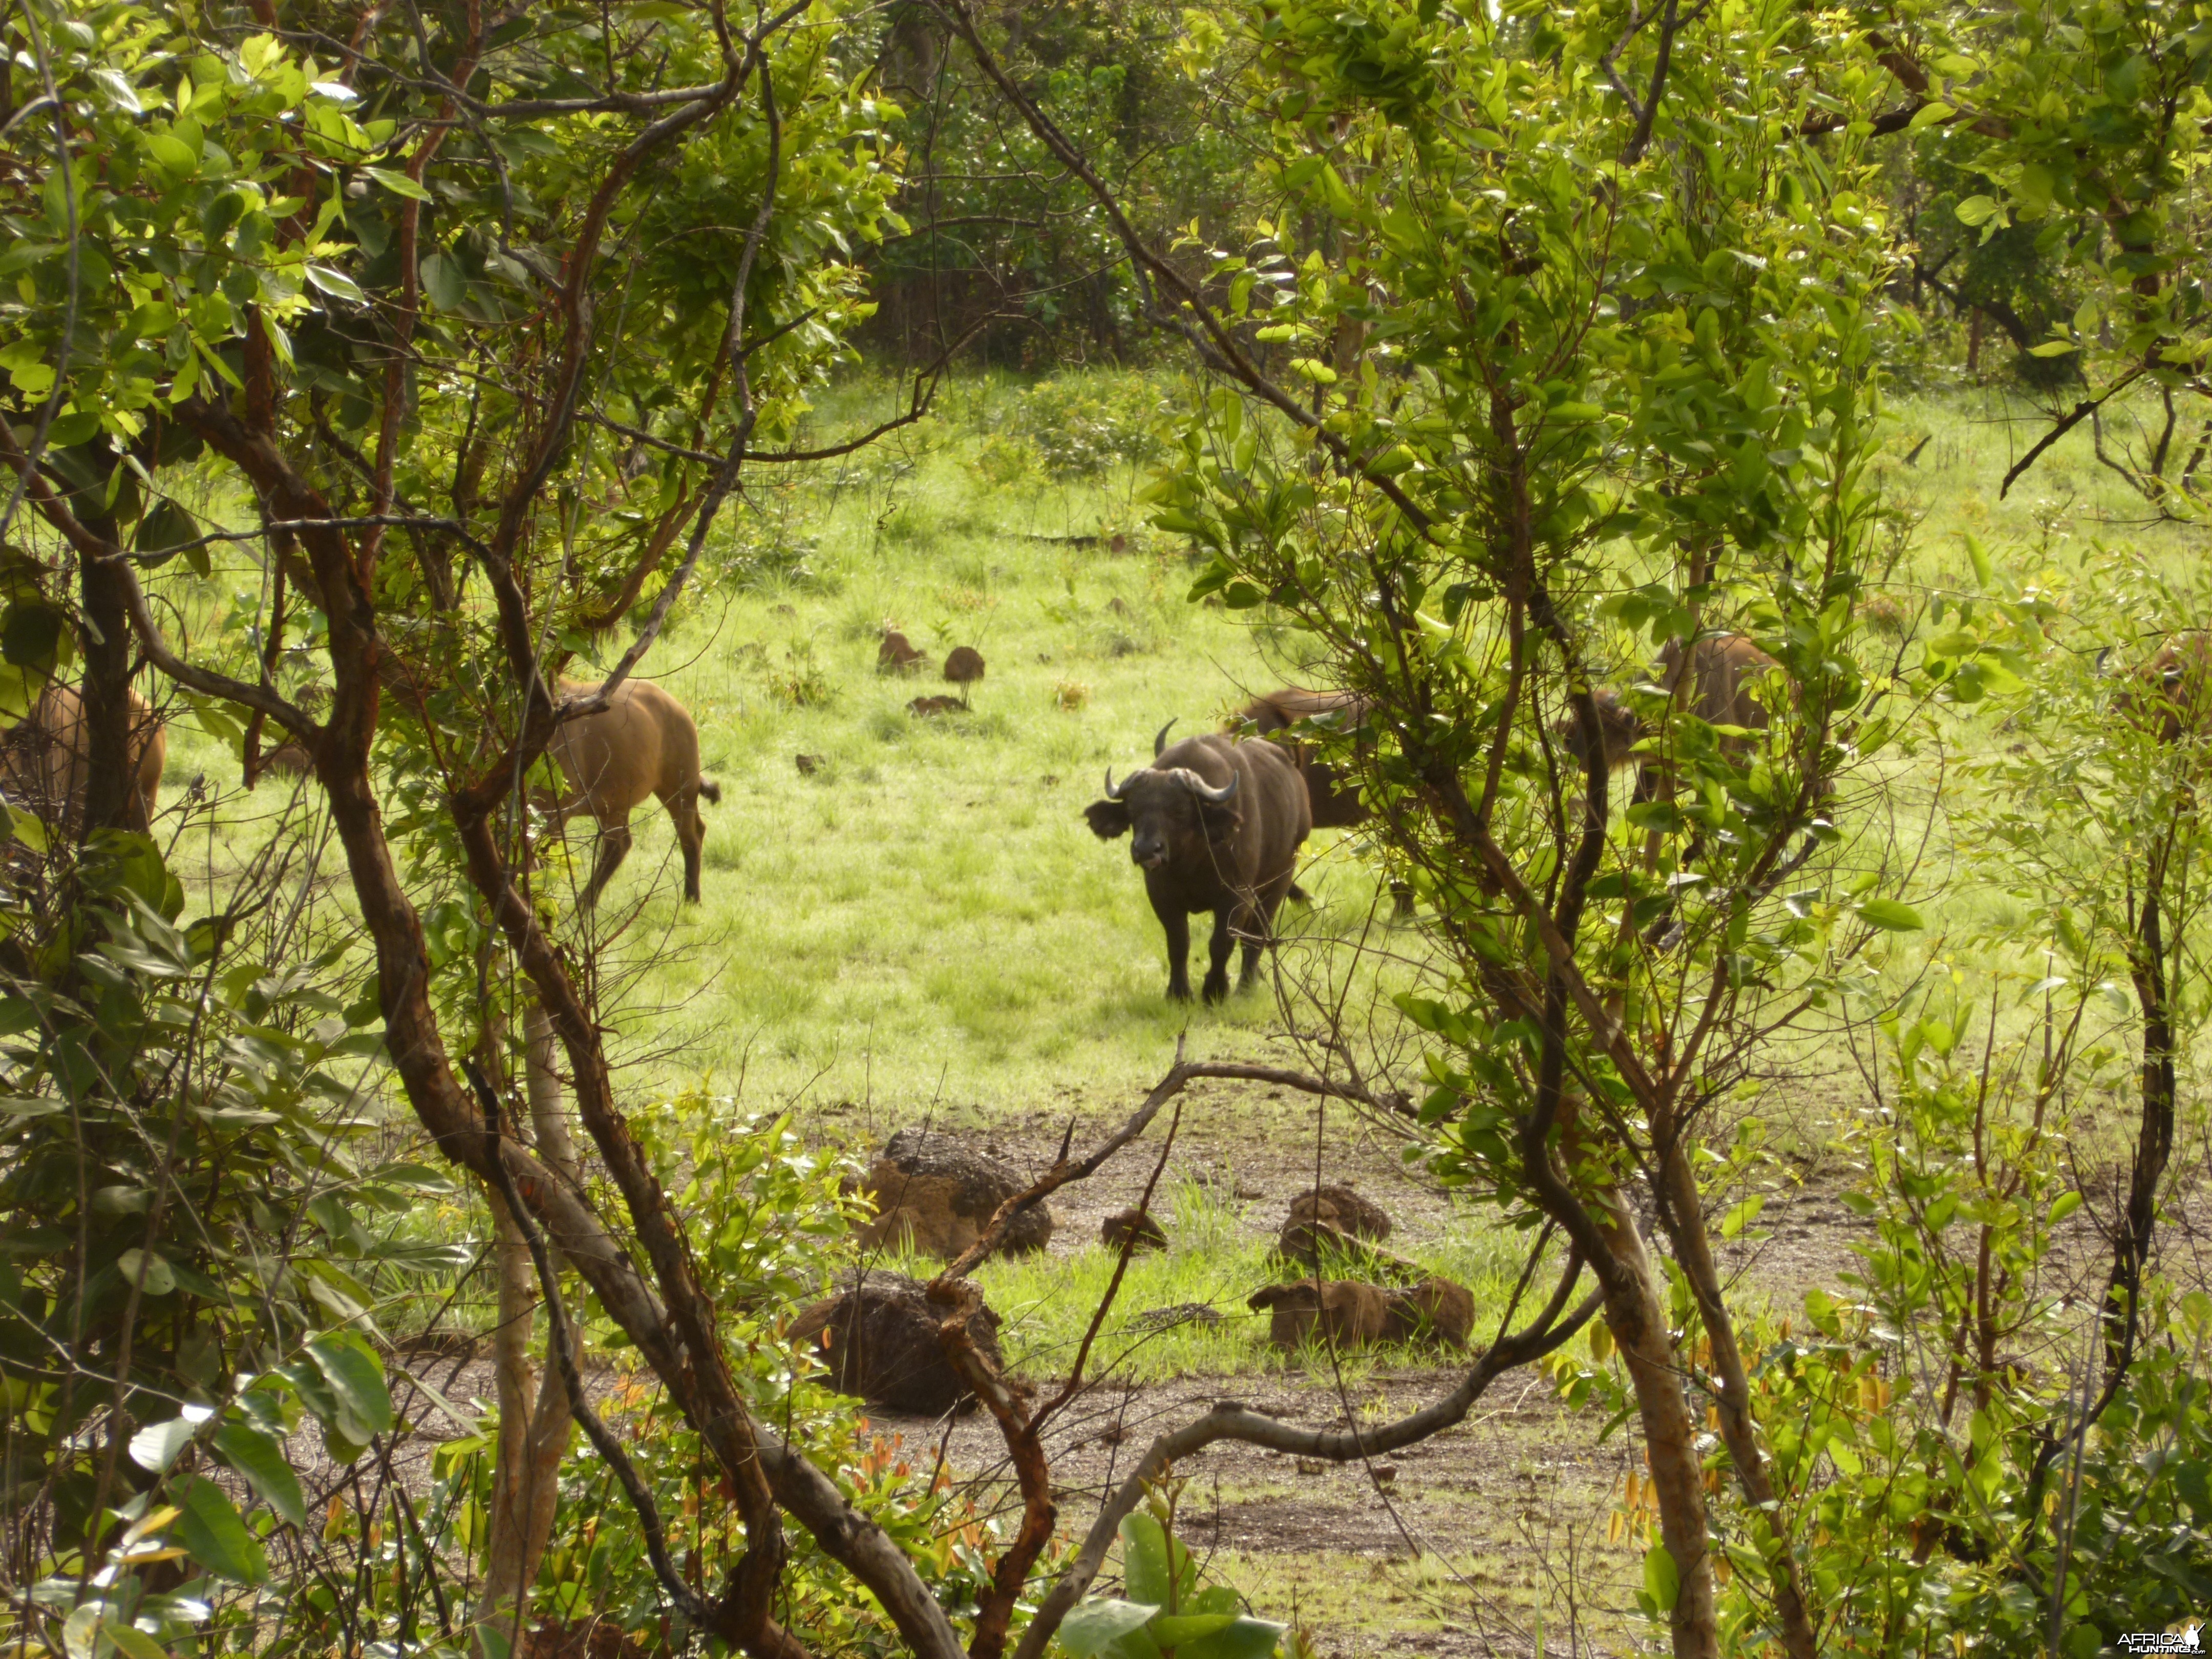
point(337, 284)
point(1976, 209)
point(2066, 1204)
point(398, 184)
point(166, 528)
point(117, 91)
point(349, 1365)
point(1742, 1215)
point(1173, 1633)
point(155, 1447)
point(131, 1640)
point(1930, 113)
point(1891, 916)
point(210, 1528)
point(1661, 1582)
point(31, 635)
point(160, 1278)
point(1096, 1625)
point(171, 154)
point(1146, 1551)
point(443, 281)
point(1248, 1638)
point(2051, 348)
point(261, 1461)
point(1978, 557)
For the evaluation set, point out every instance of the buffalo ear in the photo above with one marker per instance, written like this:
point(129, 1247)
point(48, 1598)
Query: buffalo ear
point(1108, 818)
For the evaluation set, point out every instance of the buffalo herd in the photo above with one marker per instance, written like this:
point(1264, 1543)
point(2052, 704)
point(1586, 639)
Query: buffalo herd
point(1215, 822)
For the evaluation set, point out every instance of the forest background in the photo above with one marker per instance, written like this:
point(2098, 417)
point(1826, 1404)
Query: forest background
point(387, 385)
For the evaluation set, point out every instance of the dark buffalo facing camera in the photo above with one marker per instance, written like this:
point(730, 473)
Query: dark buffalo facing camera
point(1215, 825)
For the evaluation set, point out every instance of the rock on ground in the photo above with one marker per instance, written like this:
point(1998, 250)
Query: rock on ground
point(879, 1341)
point(1343, 1313)
point(1120, 1225)
point(941, 1194)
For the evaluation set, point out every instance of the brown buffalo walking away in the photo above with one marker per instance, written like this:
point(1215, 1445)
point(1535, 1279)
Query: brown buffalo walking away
point(44, 766)
point(1335, 806)
point(644, 743)
point(1724, 670)
point(1215, 825)
point(2172, 692)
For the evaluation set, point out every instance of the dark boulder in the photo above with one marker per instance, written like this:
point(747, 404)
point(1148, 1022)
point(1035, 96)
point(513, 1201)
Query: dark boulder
point(1343, 1209)
point(879, 1341)
point(1334, 1219)
point(1343, 1313)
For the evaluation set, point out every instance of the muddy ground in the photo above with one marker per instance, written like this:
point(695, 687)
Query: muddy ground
point(1457, 1546)
point(1446, 1548)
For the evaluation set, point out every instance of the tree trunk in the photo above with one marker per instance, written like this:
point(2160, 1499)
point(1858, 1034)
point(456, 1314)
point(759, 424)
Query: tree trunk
point(1636, 1314)
point(535, 1422)
point(2132, 1238)
point(110, 781)
point(1739, 1425)
point(1974, 339)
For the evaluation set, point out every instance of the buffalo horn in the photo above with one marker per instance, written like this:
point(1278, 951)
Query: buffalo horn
point(1160, 740)
point(1114, 793)
point(1203, 790)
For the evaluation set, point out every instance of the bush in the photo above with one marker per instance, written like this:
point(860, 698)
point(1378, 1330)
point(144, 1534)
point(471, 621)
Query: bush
point(1080, 426)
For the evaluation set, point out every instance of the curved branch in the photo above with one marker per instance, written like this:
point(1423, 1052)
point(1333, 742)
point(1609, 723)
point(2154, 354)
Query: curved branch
point(97, 550)
point(2065, 423)
point(1180, 1076)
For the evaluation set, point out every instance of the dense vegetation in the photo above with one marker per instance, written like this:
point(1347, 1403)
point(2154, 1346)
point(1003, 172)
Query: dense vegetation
point(391, 389)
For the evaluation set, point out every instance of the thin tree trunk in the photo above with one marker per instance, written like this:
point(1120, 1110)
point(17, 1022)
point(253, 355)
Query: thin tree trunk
point(535, 1422)
point(1636, 1314)
point(1739, 1425)
point(108, 779)
point(1974, 340)
point(2132, 1239)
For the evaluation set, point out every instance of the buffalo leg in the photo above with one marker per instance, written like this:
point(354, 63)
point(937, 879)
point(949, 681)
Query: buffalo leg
point(1178, 932)
point(691, 835)
point(1258, 931)
point(614, 847)
point(1217, 950)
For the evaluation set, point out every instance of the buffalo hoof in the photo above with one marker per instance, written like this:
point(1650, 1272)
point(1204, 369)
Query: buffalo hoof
point(1180, 993)
point(1215, 990)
